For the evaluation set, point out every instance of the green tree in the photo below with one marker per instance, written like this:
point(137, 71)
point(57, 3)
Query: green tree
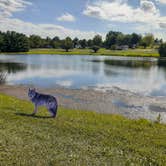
point(120, 40)
point(127, 40)
point(36, 41)
point(55, 42)
point(97, 40)
point(143, 43)
point(1, 41)
point(75, 42)
point(56, 39)
point(162, 50)
point(15, 42)
point(135, 39)
point(83, 43)
point(90, 43)
point(111, 38)
point(147, 40)
point(48, 43)
point(67, 44)
point(158, 42)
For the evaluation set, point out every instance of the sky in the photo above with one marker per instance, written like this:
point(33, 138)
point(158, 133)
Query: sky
point(83, 18)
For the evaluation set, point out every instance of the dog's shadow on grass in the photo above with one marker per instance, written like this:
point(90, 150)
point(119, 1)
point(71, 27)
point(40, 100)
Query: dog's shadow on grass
point(33, 116)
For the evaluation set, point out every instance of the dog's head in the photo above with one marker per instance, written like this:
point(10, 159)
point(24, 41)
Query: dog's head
point(31, 93)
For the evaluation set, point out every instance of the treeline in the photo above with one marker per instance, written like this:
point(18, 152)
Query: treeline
point(13, 42)
point(17, 42)
point(113, 40)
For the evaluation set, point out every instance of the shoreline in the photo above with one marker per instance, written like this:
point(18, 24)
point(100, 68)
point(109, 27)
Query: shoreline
point(114, 101)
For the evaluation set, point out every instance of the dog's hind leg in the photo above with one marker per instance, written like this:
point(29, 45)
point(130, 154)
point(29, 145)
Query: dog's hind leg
point(53, 111)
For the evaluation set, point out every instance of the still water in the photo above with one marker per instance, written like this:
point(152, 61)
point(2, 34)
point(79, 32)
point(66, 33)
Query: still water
point(142, 75)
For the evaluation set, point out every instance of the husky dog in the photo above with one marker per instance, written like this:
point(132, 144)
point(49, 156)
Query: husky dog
point(41, 99)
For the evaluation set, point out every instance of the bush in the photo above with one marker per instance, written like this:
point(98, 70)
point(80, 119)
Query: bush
point(95, 48)
point(162, 50)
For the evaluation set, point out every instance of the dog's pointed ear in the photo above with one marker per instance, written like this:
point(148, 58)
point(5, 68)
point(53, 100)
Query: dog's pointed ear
point(34, 89)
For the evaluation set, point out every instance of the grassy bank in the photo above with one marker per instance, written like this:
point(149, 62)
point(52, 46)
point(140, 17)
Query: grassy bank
point(76, 138)
point(130, 52)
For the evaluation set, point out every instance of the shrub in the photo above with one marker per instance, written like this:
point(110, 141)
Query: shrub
point(95, 48)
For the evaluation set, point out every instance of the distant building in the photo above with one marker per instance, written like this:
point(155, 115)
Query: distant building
point(78, 46)
point(122, 47)
point(134, 46)
point(48, 46)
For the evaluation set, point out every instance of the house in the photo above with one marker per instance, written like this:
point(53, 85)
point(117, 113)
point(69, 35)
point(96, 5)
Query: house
point(78, 46)
point(122, 47)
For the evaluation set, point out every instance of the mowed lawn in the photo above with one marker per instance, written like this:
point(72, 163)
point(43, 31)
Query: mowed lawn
point(76, 138)
point(102, 51)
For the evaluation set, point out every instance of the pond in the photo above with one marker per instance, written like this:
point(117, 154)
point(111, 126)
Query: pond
point(146, 76)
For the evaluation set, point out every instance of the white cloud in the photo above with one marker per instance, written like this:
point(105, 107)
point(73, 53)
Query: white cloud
point(8, 7)
point(43, 30)
point(152, 29)
point(146, 14)
point(148, 6)
point(113, 10)
point(121, 11)
point(162, 22)
point(161, 1)
point(7, 22)
point(66, 17)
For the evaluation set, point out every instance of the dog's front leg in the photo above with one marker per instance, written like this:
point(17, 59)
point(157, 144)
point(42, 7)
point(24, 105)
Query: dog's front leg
point(35, 110)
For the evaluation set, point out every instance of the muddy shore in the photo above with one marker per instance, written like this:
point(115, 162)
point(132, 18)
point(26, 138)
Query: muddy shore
point(114, 101)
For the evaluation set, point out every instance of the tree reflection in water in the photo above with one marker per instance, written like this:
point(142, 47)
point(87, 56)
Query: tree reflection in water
point(8, 68)
point(12, 67)
point(162, 62)
point(131, 63)
point(2, 77)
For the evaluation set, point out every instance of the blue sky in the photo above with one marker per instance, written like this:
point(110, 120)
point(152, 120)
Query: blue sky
point(83, 18)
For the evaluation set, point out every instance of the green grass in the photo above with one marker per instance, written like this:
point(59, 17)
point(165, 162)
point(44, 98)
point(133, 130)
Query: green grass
point(76, 138)
point(130, 52)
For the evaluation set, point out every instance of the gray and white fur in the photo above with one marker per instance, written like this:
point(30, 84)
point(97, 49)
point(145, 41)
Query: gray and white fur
point(43, 100)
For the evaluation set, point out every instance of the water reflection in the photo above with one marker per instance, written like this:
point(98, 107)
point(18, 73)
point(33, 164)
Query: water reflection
point(131, 63)
point(110, 72)
point(7, 68)
point(12, 67)
point(2, 77)
point(162, 62)
point(142, 75)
